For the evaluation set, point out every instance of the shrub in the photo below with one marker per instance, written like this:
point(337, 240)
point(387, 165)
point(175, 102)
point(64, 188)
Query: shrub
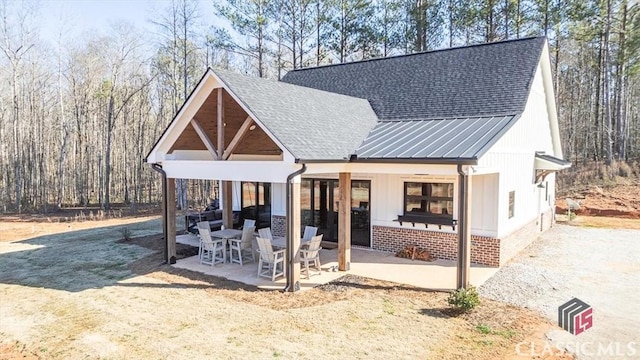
point(464, 299)
point(484, 329)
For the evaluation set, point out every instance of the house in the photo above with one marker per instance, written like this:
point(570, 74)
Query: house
point(454, 150)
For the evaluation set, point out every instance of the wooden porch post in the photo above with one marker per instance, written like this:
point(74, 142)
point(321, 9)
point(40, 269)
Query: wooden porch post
point(293, 254)
point(171, 220)
point(344, 222)
point(464, 228)
point(226, 188)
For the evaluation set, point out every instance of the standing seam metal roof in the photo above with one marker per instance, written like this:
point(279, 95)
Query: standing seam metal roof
point(464, 138)
point(553, 159)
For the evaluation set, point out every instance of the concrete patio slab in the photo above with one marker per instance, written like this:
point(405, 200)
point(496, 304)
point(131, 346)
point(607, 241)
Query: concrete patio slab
point(247, 273)
point(188, 239)
point(436, 275)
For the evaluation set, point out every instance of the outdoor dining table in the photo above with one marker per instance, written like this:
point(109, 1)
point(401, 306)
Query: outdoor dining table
point(226, 234)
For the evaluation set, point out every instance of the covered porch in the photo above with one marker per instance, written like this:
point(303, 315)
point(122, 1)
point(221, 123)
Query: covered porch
point(436, 275)
point(238, 129)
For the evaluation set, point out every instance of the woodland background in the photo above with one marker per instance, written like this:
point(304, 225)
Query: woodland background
point(78, 115)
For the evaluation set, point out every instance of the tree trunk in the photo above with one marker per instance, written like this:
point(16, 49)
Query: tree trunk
point(507, 7)
point(451, 10)
point(621, 113)
point(107, 154)
point(606, 95)
point(318, 27)
point(343, 32)
point(518, 18)
point(597, 124)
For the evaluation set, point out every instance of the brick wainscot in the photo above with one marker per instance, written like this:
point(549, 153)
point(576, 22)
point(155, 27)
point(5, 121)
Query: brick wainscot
point(278, 225)
point(487, 251)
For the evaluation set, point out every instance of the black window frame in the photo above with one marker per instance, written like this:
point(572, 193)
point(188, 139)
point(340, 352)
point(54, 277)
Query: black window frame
point(259, 208)
point(427, 199)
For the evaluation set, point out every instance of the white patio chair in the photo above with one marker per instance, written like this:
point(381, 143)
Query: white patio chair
point(212, 251)
point(241, 249)
point(248, 223)
point(309, 232)
point(269, 260)
point(265, 233)
point(311, 255)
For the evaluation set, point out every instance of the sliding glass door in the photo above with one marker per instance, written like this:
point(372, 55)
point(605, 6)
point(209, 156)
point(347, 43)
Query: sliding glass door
point(319, 205)
point(256, 203)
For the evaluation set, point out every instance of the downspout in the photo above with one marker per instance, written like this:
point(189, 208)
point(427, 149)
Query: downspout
point(290, 251)
point(464, 238)
point(158, 168)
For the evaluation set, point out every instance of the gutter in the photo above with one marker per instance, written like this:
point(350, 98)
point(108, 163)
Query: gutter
point(158, 168)
point(435, 161)
point(463, 230)
point(291, 286)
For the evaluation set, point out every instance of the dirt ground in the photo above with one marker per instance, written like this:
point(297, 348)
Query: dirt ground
point(78, 290)
point(619, 201)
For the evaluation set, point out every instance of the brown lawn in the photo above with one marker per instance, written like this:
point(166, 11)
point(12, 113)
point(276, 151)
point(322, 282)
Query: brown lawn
point(76, 290)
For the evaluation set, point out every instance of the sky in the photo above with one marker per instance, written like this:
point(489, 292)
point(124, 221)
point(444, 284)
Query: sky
point(80, 16)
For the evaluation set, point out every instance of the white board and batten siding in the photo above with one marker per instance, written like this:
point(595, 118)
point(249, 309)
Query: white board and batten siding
point(387, 199)
point(513, 157)
point(278, 199)
point(484, 209)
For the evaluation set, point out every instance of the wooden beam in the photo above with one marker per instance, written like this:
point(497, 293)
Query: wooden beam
point(344, 222)
point(220, 126)
point(541, 175)
point(244, 128)
point(205, 139)
point(464, 229)
point(227, 204)
point(171, 221)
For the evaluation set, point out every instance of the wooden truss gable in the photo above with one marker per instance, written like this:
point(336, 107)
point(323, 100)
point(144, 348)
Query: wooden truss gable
point(241, 135)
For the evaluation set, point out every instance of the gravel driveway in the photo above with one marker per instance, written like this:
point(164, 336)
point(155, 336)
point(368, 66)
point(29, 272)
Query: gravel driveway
point(598, 266)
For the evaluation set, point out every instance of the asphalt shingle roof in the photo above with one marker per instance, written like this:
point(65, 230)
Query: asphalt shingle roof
point(473, 81)
point(311, 124)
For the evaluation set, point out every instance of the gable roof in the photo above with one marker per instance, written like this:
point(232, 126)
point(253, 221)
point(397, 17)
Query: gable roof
point(447, 105)
point(473, 81)
point(311, 124)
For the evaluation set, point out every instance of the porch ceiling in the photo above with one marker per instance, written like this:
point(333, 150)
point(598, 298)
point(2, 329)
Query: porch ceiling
point(255, 141)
